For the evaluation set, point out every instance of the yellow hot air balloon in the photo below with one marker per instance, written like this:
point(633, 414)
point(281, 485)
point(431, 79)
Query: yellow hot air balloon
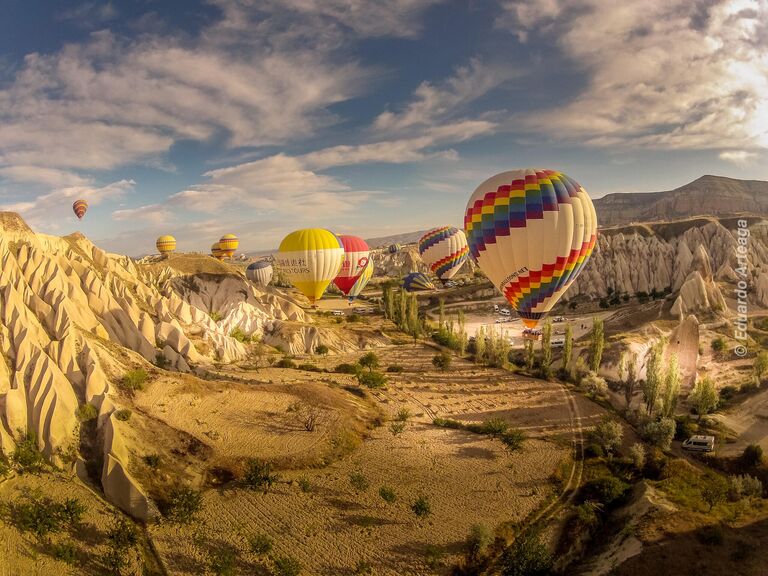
point(228, 244)
point(531, 231)
point(166, 244)
point(216, 252)
point(310, 258)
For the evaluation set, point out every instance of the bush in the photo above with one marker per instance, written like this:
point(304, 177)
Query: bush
point(43, 516)
point(744, 486)
point(369, 360)
point(87, 412)
point(442, 361)
point(322, 350)
point(513, 439)
point(397, 428)
point(260, 544)
point(448, 423)
point(221, 561)
point(752, 456)
point(394, 369)
point(26, 456)
point(594, 384)
point(718, 344)
point(285, 363)
point(121, 537)
point(684, 427)
point(606, 490)
point(492, 427)
point(479, 539)
point(607, 434)
point(586, 514)
point(656, 466)
point(387, 494)
point(239, 335)
point(152, 460)
point(354, 317)
point(421, 507)
point(371, 379)
point(309, 367)
point(660, 433)
point(363, 568)
point(714, 492)
point(287, 566)
point(593, 450)
point(134, 380)
point(183, 504)
point(66, 552)
point(359, 481)
point(347, 368)
point(637, 454)
point(258, 475)
point(123, 415)
point(527, 556)
point(434, 557)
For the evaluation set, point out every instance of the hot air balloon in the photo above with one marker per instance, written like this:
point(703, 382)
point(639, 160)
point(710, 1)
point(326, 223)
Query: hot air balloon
point(531, 232)
point(228, 244)
point(310, 259)
point(361, 281)
point(260, 273)
point(444, 250)
point(356, 257)
point(80, 207)
point(216, 252)
point(394, 248)
point(166, 244)
point(416, 281)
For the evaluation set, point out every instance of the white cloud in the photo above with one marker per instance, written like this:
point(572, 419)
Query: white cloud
point(42, 175)
point(738, 157)
point(666, 74)
point(154, 213)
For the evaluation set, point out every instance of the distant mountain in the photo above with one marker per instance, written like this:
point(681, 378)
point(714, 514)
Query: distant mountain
point(705, 196)
point(405, 238)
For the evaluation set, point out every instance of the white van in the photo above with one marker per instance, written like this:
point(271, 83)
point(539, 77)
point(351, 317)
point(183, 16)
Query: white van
point(338, 313)
point(495, 307)
point(557, 341)
point(505, 312)
point(700, 444)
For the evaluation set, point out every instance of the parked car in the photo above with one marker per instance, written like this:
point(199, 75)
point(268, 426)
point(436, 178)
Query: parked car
point(338, 313)
point(700, 443)
point(360, 310)
point(558, 319)
point(505, 312)
point(495, 307)
point(557, 341)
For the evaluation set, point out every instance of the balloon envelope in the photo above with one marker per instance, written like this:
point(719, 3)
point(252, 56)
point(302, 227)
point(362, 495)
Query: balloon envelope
point(444, 250)
point(166, 244)
point(531, 231)
point(80, 207)
point(417, 281)
point(361, 281)
point(394, 248)
point(228, 244)
point(356, 258)
point(310, 259)
point(217, 252)
point(260, 273)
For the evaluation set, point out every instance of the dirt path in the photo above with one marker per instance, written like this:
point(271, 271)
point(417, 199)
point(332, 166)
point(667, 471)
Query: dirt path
point(749, 420)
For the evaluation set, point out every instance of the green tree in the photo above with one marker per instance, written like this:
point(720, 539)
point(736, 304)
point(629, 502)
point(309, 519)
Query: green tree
point(442, 361)
point(608, 434)
point(704, 397)
point(183, 504)
point(630, 383)
point(462, 334)
point(480, 345)
point(597, 344)
point(671, 387)
point(441, 312)
point(653, 377)
point(413, 326)
point(369, 360)
point(527, 556)
point(661, 432)
point(402, 313)
point(567, 347)
point(760, 366)
point(621, 368)
point(530, 354)
point(546, 349)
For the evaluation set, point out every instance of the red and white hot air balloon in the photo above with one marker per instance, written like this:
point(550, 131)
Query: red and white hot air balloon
point(356, 256)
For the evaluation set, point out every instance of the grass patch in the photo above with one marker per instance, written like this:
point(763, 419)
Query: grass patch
point(134, 380)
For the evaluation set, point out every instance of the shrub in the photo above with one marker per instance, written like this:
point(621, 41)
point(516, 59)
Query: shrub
point(714, 492)
point(134, 379)
point(354, 317)
point(527, 556)
point(402, 415)
point(239, 335)
point(152, 460)
point(421, 507)
point(221, 561)
point(369, 360)
point(656, 466)
point(161, 361)
point(363, 568)
point(744, 486)
point(287, 566)
point(26, 456)
point(608, 434)
point(479, 539)
point(321, 350)
point(718, 344)
point(123, 415)
point(121, 537)
point(183, 504)
point(215, 315)
point(66, 552)
point(305, 484)
point(513, 439)
point(371, 379)
point(258, 475)
point(593, 450)
point(387, 494)
point(492, 427)
point(260, 544)
point(594, 384)
point(397, 428)
point(586, 514)
point(605, 490)
point(448, 423)
point(394, 369)
point(43, 516)
point(86, 412)
point(359, 481)
point(660, 433)
point(307, 367)
point(434, 556)
point(442, 361)
point(752, 456)
point(637, 454)
point(347, 368)
point(285, 362)
point(684, 427)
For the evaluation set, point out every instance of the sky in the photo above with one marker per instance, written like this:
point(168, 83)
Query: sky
point(367, 117)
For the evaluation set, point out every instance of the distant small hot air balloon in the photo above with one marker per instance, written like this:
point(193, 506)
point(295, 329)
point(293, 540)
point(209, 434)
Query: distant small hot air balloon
point(361, 282)
point(394, 248)
point(531, 232)
point(444, 250)
point(416, 281)
point(228, 244)
point(216, 252)
point(260, 273)
point(310, 259)
point(356, 257)
point(166, 244)
point(80, 207)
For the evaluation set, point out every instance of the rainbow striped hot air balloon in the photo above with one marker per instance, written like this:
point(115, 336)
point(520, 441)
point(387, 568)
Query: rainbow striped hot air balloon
point(216, 252)
point(310, 259)
point(416, 281)
point(444, 250)
point(531, 232)
point(260, 273)
point(166, 244)
point(80, 207)
point(361, 281)
point(228, 244)
point(356, 258)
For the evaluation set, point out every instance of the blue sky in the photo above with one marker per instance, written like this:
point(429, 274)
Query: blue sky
point(371, 117)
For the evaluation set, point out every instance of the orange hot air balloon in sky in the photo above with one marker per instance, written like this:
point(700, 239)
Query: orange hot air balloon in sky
point(80, 207)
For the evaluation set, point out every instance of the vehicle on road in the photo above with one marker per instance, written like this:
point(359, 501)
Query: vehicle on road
point(700, 443)
point(495, 307)
point(558, 319)
point(338, 313)
point(505, 312)
point(557, 341)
